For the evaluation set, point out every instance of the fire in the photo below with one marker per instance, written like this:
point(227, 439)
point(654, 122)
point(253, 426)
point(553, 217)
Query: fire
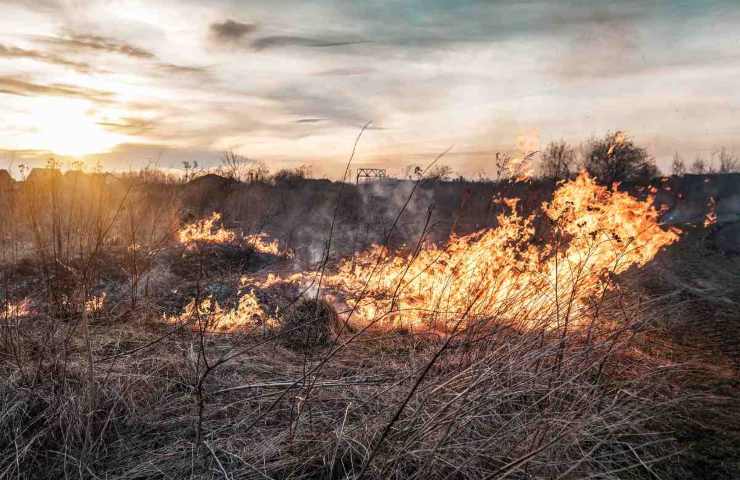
point(205, 231)
point(211, 230)
point(505, 273)
point(16, 309)
point(246, 315)
point(260, 243)
point(711, 216)
point(95, 303)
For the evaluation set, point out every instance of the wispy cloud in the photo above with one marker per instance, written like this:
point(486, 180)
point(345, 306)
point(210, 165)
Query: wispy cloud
point(86, 42)
point(18, 86)
point(285, 41)
point(130, 126)
point(7, 51)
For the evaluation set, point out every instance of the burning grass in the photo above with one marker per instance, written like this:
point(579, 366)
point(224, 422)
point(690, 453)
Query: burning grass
point(508, 274)
point(530, 350)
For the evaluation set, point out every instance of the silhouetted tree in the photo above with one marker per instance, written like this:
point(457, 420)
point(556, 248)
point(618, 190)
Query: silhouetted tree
point(699, 166)
point(440, 173)
point(728, 162)
point(678, 167)
point(615, 158)
point(242, 169)
point(558, 161)
point(503, 161)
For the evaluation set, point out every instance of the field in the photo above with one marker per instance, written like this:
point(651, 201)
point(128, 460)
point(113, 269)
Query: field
point(295, 328)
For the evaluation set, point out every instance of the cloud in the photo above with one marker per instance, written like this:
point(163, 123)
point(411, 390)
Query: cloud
point(171, 68)
point(309, 120)
point(17, 86)
point(345, 72)
point(16, 52)
point(129, 126)
point(282, 41)
point(231, 30)
point(80, 42)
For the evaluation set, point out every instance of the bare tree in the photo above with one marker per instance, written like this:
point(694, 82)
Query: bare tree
point(728, 162)
point(699, 166)
point(558, 160)
point(242, 168)
point(678, 167)
point(503, 161)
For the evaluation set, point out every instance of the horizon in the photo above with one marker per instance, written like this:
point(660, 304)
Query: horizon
point(169, 82)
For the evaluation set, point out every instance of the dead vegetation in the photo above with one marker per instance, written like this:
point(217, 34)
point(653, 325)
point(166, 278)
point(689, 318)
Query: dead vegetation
point(141, 342)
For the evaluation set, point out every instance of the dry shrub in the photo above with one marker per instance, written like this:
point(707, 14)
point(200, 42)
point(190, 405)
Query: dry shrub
point(310, 323)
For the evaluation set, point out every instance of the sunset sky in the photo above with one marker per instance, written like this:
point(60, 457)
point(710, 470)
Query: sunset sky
point(291, 82)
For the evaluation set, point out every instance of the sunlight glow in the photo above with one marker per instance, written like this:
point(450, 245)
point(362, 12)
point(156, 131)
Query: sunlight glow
point(66, 128)
point(62, 126)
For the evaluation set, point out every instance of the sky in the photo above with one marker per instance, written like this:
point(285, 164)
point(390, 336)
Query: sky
point(290, 82)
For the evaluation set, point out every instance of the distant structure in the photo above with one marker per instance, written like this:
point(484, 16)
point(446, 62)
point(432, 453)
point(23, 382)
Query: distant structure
point(370, 174)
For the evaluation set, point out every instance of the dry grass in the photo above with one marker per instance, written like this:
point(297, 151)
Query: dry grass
point(114, 391)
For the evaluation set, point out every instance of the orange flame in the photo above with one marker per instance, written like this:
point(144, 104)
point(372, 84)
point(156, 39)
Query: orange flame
point(711, 216)
point(502, 273)
point(210, 230)
point(205, 231)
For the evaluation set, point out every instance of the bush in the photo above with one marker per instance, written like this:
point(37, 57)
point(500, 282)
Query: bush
point(310, 323)
point(615, 158)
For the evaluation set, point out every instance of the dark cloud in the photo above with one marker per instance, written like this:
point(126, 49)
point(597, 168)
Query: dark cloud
point(80, 42)
point(18, 86)
point(309, 120)
point(231, 30)
point(16, 52)
point(283, 41)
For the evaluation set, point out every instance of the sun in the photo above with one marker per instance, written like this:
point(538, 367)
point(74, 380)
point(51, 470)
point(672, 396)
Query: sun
point(67, 127)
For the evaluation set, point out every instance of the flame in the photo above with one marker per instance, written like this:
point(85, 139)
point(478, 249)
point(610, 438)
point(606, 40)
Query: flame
point(95, 303)
point(504, 272)
point(711, 216)
point(211, 230)
point(507, 274)
point(16, 309)
point(205, 231)
point(260, 243)
point(247, 314)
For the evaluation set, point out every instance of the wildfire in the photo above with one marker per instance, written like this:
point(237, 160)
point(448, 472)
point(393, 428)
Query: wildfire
point(95, 303)
point(260, 243)
point(504, 272)
point(711, 216)
point(13, 310)
point(211, 230)
point(206, 230)
point(247, 314)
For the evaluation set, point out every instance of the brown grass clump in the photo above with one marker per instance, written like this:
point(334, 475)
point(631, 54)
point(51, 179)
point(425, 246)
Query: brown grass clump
point(310, 323)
